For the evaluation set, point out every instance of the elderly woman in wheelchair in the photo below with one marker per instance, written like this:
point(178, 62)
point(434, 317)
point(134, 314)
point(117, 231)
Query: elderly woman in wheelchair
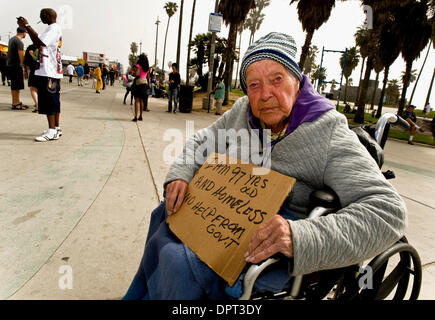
point(310, 141)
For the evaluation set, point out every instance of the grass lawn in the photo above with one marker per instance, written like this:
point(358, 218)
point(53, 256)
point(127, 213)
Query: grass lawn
point(421, 138)
point(238, 92)
point(396, 134)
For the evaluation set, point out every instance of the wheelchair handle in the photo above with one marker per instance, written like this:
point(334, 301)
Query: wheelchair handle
point(387, 119)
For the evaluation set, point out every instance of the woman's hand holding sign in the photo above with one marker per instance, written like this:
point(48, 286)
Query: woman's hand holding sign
point(175, 192)
point(272, 237)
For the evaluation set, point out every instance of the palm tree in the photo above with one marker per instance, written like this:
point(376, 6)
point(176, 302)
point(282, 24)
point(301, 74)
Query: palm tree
point(378, 67)
point(414, 38)
point(241, 28)
point(171, 8)
point(412, 76)
point(199, 47)
point(381, 15)
point(421, 69)
point(315, 76)
point(190, 39)
point(430, 88)
point(352, 60)
point(234, 12)
point(256, 18)
point(180, 27)
point(312, 14)
point(432, 21)
point(310, 60)
point(362, 38)
point(388, 53)
point(371, 48)
point(132, 58)
point(392, 91)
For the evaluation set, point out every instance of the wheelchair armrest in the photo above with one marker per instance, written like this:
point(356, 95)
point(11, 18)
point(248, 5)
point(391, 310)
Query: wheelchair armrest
point(252, 274)
point(324, 198)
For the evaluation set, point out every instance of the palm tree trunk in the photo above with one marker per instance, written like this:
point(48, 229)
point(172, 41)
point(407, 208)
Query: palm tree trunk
point(406, 79)
point(180, 27)
point(238, 60)
point(359, 117)
point(230, 59)
point(430, 89)
point(190, 39)
point(374, 92)
point(164, 48)
point(384, 87)
point(305, 48)
point(360, 79)
point(421, 70)
point(345, 93)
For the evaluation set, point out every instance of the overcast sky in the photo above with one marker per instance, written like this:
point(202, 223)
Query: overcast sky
point(110, 26)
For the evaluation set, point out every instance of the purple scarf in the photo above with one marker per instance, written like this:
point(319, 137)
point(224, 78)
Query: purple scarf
point(309, 106)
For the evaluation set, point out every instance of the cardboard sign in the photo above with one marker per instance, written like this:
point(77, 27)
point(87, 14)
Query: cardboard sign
point(223, 206)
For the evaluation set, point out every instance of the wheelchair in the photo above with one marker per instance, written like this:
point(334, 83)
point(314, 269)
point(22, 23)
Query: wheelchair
point(393, 273)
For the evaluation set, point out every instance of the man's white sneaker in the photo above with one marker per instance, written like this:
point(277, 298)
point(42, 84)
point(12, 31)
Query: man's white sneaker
point(47, 137)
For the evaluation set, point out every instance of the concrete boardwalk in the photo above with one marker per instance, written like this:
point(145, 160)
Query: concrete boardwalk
point(85, 200)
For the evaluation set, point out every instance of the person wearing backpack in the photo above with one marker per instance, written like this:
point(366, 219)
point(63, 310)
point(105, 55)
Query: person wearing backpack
point(127, 83)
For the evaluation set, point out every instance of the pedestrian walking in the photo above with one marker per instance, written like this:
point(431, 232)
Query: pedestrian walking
point(104, 74)
point(80, 73)
point(87, 71)
point(112, 76)
point(49, 73)
point(98, 76)
point(31, 63)
point(219, 96)
point(16, 70)
point(153, 82)
point(3, 68)
point(70, 71)
point(93, 79)
point(174, 83)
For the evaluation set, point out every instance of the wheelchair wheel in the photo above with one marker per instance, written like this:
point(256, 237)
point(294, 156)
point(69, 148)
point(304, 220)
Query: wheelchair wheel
point(384, 283)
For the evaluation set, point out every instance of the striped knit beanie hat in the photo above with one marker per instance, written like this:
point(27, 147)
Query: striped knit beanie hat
point(275, 46)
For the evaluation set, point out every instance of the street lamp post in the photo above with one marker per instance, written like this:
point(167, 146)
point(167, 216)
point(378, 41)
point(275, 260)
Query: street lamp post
point(157, 40)
point(211, 60)
point(140, 50)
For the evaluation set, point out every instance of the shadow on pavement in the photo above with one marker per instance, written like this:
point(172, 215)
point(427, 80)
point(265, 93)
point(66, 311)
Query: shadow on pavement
point(16, 136)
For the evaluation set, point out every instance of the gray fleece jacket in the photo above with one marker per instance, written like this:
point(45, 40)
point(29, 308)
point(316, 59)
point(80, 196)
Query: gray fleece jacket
point(321, 153)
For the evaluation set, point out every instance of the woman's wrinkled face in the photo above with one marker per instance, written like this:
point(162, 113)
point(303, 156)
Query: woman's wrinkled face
point(272, 92)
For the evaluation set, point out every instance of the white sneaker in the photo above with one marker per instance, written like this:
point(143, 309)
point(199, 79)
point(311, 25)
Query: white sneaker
point(46, 137)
